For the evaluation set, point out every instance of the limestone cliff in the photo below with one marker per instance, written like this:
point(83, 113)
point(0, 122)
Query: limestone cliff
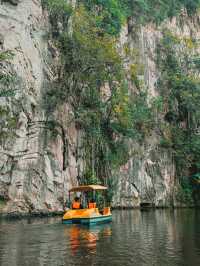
point(36, 168)
point(150, 175)
point(34, 176)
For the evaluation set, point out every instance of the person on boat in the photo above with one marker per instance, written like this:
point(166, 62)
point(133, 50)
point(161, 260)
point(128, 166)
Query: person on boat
point(76, 204)
point(92, 204)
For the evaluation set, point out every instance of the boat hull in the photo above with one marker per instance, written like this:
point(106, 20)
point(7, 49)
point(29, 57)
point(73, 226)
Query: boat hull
point(91, 220)
point(87, 216)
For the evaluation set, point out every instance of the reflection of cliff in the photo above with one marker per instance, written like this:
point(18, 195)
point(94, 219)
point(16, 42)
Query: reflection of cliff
point(157, 237)
point(134, 238)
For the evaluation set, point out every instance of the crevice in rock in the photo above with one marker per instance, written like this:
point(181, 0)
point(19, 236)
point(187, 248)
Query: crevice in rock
point(12, 2)
point(134, 185)
point(65, 149)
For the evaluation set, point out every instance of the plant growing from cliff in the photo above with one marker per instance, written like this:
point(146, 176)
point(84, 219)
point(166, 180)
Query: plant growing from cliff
point(179, 85)
point(2, 204)
point(59, 14)
point(144, 11)
point(7, 91)
point(91, 64)
point(92, 79)
point(5, 78)
point(6, 55)
point(111, 15)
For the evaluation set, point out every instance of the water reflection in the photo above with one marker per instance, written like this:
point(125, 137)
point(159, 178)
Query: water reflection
point(84, 237)
point(161, 237)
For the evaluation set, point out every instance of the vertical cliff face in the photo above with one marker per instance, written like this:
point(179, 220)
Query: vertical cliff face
point(150, 175)
point(37, 167)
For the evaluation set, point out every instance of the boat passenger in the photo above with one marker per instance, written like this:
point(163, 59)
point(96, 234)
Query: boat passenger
point(92, 204)
point(76, 204)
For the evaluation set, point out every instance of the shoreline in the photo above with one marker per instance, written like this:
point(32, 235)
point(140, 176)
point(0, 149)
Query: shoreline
point(46, 214)
point(19, 215)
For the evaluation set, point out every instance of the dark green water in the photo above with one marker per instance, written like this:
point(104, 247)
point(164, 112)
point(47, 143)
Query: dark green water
point(160, 237)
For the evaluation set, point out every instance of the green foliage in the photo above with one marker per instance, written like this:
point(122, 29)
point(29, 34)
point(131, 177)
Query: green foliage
point(6, 79)
point(145, 11)
point(93, 81)
point(191, 5)
point(59, 12)
point(2, 203)
point(8, 124)
point(90, 178)
point(179, 86)
point(189, 189)
point(58, 9)
point(110, 14)
point(6, 55)
point(7, 120)
point(185, 192)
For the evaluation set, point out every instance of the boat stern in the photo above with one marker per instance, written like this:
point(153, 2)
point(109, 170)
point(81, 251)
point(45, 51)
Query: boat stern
point(82, 216)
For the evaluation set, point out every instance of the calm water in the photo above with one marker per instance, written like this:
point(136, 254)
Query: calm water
point(160, 237)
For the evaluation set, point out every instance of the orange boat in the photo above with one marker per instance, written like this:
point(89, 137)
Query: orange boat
point(89, 215)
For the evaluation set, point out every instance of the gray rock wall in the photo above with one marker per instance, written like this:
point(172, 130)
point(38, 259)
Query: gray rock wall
point(36, 168)
point(33, 177)
point(149, 176)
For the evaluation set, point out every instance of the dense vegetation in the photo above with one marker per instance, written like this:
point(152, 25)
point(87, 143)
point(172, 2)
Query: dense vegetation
point(111, 14)
point(156, 11)
point(93, 80)
point(179, 85)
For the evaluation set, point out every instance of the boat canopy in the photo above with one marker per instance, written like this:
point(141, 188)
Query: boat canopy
point(87, 188)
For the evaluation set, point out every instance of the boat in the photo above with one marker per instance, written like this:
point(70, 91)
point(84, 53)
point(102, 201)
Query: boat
point(90, 214)
point(146, 206)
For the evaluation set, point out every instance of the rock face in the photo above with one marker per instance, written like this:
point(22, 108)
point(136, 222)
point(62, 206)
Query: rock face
point(149, 176)
point(34, 176)
point(37, 168)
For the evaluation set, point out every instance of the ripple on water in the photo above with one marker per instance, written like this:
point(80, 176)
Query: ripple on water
point(160, 237)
